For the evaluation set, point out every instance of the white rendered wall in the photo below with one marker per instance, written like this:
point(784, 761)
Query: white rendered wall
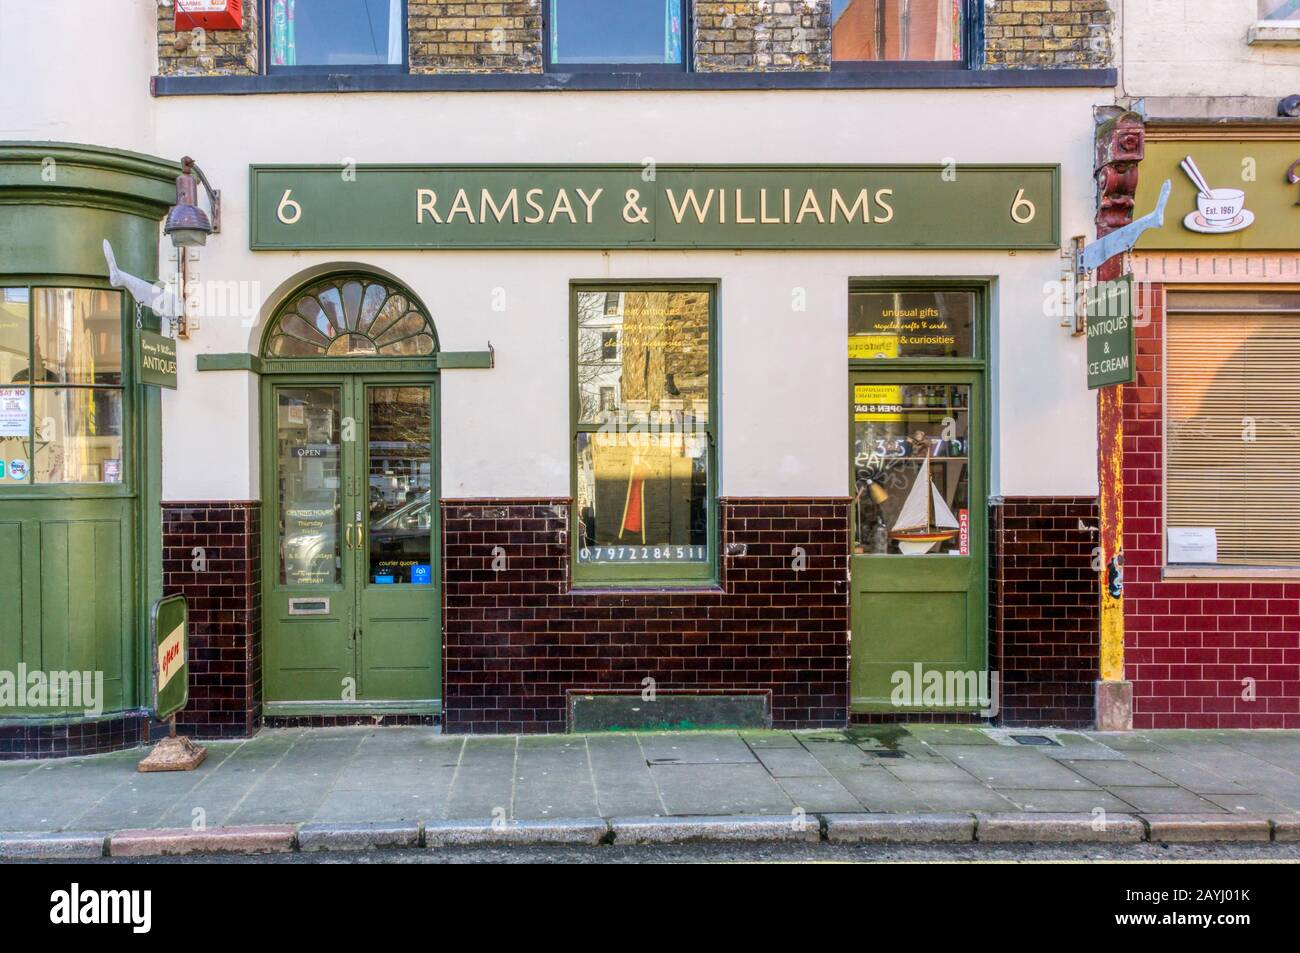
point(78, 71)
point(784, 387)
point(1189, 48)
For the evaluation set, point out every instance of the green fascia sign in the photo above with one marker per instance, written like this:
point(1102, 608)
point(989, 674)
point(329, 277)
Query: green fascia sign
point(157, 360)
point(631, 206)
point(1111, 351)
point(171, 639)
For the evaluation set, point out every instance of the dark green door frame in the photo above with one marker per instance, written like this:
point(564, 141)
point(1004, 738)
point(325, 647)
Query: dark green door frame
point(352, 377)
point(873, 576)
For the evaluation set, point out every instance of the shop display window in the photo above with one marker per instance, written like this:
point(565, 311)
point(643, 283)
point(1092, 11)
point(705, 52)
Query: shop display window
point(644, 434)
point(61, 396)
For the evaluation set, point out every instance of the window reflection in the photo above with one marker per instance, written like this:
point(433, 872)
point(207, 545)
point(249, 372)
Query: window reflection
point(307, 454)
point(400, 482)
point(911, 460)
point(896, 30)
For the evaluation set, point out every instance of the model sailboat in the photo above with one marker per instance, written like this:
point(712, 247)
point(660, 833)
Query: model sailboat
point(925, 520)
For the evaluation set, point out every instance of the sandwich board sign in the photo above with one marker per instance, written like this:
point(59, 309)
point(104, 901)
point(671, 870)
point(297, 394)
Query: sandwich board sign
point(169, 623)
point(171, 662)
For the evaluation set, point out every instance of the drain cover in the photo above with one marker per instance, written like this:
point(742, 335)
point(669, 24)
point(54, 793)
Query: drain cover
point(1034, 740)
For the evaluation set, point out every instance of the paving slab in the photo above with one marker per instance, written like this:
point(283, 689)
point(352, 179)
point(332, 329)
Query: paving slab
point(900, 828)
point(482, 787)
point(816, 795)
point(790, 763)
point(1001, 767)
point(621, 776)
point(910, 769)
point(1163, 800)
point(1108, 773)
point(770, 739)
point(1204, 828)
point(1179, 771)
point(1069, 828)
point(1066, 802)
point(948, 796)
point(951, 735)
point(553, 778)
point(879, 791)
point(1245, 803)
point(720, 789)
point(695, 748)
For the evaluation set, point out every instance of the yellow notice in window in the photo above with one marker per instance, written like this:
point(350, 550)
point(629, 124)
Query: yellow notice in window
point(877, 402)
point(868, 346)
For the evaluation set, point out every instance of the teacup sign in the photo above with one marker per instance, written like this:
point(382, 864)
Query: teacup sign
point(169, 622)
point(1218, 211)
point(157, 360)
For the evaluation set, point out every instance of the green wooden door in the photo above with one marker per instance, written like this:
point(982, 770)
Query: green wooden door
point(918, 448)
point(349, 546)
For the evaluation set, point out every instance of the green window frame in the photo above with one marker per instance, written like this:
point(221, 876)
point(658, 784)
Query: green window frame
point(117, 480)
point(589, 572)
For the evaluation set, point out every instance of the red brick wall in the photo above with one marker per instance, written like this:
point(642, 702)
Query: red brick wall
point(1190, 643)
point(1043, 609)
point(225, 612)
point(518, 641)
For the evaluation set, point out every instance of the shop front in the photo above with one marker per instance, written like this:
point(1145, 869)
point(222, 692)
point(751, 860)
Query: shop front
point(79, 447)
point(1212, 559)
point(699, 545)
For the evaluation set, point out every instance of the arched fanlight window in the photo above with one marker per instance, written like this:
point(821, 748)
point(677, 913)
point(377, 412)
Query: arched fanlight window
point(350, 316)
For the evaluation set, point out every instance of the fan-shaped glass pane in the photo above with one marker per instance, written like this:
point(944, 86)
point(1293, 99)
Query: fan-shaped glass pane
point(284, 346)
point(351, 344)
point(392, 311)
point(311, 312)
point(332, 302)
point(371, 302)
point(351, 317)
point(295, 325)
point(411, 323)
point(407, 347)
point(351, 302)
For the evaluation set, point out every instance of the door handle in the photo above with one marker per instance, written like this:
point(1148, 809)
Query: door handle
point(360, 533)
point(347, 536)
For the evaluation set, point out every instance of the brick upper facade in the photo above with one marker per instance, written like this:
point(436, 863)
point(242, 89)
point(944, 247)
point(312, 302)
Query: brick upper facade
point(728, 36)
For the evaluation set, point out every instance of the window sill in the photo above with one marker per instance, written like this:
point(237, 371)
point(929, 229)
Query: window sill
point(632, 82)
point(1255, 573)
point(1274, 33)
point(647, 589)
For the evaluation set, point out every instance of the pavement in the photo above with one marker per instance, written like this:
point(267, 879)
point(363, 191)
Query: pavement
point(386, 788)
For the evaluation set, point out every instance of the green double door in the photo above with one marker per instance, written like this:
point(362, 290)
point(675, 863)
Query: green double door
point(350, 567)
point(918, 564)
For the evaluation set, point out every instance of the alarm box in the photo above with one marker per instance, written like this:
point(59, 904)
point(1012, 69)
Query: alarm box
point(209, 14)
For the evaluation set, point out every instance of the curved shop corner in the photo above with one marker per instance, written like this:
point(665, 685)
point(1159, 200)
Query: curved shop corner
point(80, 445)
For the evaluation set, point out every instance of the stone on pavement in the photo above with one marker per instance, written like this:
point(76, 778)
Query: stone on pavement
point(265, 839)
point(1202, 828)
point(368, 836)
point(740, 827)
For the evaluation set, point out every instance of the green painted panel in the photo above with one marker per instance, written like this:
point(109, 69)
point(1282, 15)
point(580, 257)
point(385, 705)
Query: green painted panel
point(58, 239)
point(1257, 201)
point(11, 596)
point(1014, 206)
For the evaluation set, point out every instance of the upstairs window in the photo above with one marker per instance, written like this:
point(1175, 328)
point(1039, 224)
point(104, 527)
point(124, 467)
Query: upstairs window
point(600, 34)
point(337, 34)
point(1279, 10)
point(898, 31)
